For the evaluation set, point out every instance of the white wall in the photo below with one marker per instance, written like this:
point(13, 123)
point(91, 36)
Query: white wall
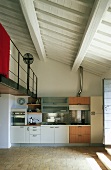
point(56, 79)
point(6, 101)
point(107, 75)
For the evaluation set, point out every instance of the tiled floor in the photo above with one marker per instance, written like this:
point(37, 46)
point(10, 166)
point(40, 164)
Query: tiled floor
point(49, 158)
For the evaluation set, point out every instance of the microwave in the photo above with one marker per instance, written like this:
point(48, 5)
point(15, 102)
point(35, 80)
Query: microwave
point(18, 117)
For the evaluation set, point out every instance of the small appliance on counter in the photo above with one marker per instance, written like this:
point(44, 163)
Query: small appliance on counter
point(33, 121)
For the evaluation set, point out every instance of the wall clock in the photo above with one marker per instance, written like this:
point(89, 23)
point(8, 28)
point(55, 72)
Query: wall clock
point(21, 101)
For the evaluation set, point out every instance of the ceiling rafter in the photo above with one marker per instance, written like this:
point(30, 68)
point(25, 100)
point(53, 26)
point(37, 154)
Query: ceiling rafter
point(58, 43)
point(99, 52)
point(32, 23)
point(60, 46)
point(95, 62)
point(60, 50)
point(60, 18)
point(61, 27)
point(58, 60)
point(10, 5)
point(59, 6)
point(59, 39)
point(94, 67)
point(89, 70)
point(98, 58)
point(58, 33)
point(99, 9)
point(87, 3)
point(102, 41)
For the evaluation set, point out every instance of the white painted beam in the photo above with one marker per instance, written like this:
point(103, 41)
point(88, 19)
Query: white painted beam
point(32, 22)
point(98, 11)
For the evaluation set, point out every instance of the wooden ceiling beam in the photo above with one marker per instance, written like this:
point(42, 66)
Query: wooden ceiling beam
point(32, 23)
point(98, 11)
point(59, 6)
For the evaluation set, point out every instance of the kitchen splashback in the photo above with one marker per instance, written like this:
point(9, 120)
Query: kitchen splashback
point(55, 117)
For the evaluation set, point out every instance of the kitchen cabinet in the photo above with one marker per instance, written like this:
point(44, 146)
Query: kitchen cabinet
point(47, 134)
point(27, 134)
point(54, 134)
point(79, 134)
point(35, 133)
point(55, 105)
point(96, 104)
point(79, 100)
point(61, 134)
point(17, 134)
point(34, 105)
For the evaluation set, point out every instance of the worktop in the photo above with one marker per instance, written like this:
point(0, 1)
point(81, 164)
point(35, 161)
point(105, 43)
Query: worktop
point(40, 124)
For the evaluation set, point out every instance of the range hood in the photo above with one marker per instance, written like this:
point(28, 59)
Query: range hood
point(79, 107)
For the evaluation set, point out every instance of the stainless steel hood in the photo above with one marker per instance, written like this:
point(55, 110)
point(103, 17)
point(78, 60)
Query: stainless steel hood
point(79, 107)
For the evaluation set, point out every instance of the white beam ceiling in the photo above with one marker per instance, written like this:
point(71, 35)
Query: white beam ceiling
point(32, 22)
point(98, 11)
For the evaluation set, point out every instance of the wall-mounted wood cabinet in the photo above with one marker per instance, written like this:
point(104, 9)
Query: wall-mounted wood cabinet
point(79, 100)
point(34, 105)
point(79, 134)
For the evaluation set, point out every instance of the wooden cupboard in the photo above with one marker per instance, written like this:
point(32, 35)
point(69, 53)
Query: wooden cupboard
point(79, 134)
point(79, 100)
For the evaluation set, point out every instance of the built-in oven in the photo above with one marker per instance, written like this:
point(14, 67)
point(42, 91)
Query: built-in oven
point(18, 117)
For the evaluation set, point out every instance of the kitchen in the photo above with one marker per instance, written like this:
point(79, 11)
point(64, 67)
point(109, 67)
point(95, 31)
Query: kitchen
point(44, 127)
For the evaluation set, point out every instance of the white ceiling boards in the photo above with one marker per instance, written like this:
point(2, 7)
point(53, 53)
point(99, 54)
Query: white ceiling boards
point(73, 32)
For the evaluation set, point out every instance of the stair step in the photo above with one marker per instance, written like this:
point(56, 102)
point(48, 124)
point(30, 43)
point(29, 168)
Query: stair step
point(93, 164)
point(108, 150)
point(104, 160)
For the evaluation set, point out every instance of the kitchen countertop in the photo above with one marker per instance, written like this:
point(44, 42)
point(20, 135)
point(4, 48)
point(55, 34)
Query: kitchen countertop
point(40, 124)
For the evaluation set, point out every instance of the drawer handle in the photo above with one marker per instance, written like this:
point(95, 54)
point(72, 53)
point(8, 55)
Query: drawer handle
point(51, 127)
point(21, 127)
point(56, 127)
point(34, 130)
point(34, 135)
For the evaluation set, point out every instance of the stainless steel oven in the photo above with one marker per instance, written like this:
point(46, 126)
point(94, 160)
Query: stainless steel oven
point(18, 117)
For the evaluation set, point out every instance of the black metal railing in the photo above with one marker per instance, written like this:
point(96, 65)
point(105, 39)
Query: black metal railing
point(20, 73)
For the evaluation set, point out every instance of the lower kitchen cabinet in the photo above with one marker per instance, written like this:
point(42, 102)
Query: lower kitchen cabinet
point(34, 138)
point(54, 134)
point(79, 134)
point(47, 134)
point(35, 133)
point(62, 134)
point(25, 134)
point(17, 134)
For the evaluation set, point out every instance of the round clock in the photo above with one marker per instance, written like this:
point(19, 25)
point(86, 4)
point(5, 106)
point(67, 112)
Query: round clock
point(21, 101)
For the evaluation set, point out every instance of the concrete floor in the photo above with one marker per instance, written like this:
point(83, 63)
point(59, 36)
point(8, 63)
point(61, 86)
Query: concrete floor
point(49, 158)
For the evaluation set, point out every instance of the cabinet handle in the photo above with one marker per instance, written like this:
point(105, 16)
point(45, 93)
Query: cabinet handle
point(79, 135)
point(79, 126)
point(34, 129)
point(51, 127)
point(34, 135)
point(27, 128)
point(56, 127)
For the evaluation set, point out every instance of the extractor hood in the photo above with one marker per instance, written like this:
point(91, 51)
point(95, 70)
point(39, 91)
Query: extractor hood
point(79, 107)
